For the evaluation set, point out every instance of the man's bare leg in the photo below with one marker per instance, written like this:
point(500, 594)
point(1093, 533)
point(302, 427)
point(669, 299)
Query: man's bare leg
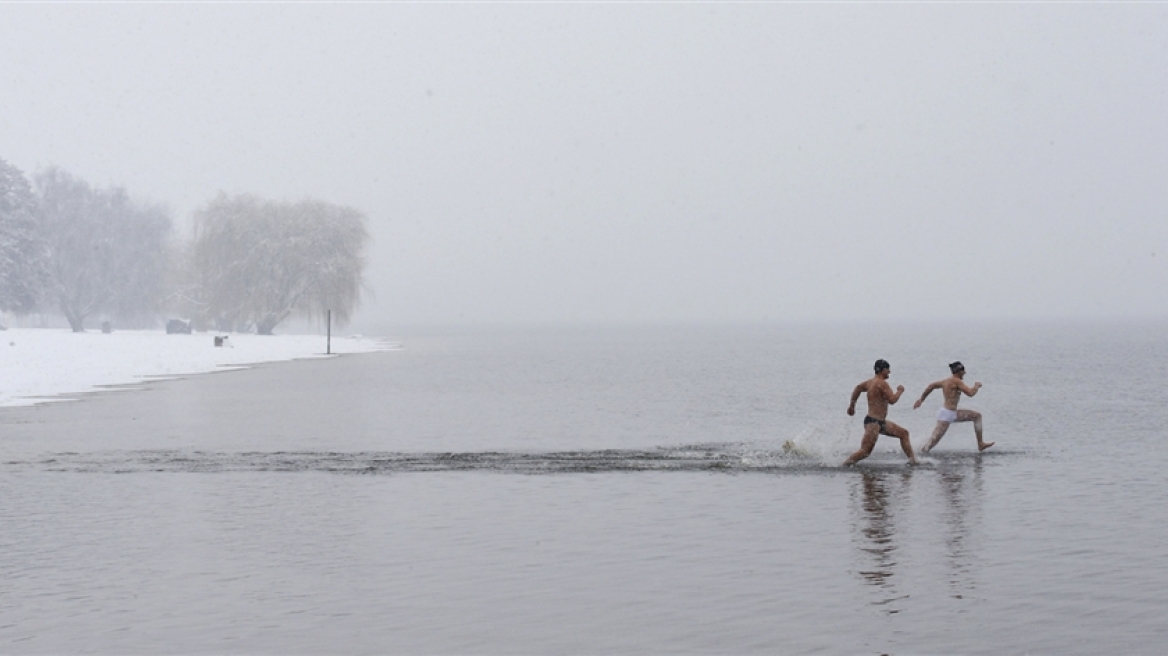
point(975, 417)
point(871, 432)
point(938, 433)
point(893, 430)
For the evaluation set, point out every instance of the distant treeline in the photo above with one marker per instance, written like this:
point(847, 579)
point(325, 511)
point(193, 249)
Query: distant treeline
point(96, 253)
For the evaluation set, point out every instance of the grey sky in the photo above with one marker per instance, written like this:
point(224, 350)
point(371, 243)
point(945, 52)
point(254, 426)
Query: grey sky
point(643, 162)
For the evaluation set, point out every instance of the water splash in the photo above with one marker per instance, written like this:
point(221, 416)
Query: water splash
point(826, 442)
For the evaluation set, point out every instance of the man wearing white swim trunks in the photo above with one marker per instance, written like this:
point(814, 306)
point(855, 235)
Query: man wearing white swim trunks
point(952, 388)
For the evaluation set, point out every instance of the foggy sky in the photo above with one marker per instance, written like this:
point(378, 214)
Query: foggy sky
point(643, 162)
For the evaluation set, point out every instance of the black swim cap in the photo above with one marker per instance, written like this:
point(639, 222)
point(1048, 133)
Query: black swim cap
point(881, 365)
point(954, 367)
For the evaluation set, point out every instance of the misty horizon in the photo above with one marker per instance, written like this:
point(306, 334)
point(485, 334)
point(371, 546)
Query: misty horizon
point(632, 163)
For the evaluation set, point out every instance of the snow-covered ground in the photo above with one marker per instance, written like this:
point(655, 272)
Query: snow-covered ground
point(40, 364)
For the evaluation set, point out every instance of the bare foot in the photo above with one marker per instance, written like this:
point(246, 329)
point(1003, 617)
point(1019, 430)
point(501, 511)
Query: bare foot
point(914, 461)
point(984, 446)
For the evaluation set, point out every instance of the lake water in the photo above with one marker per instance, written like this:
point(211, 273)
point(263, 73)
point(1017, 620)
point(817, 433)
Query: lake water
point(602, 490)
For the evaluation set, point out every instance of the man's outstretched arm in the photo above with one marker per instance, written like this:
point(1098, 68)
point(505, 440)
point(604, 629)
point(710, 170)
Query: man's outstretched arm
point(926, 393)
point(893, 398)
point(969, 391)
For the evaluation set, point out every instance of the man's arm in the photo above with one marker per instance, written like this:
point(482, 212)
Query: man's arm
point(926, 393)
point(969, 391)
point(856, 396)
point(892, 398)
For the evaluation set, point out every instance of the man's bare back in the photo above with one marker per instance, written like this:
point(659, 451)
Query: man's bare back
point(951, 389)
point(880, 396)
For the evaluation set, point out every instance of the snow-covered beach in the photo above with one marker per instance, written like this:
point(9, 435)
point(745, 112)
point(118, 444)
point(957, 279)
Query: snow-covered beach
point(40, 364)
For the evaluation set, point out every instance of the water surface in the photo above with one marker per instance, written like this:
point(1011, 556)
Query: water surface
point(576, 490)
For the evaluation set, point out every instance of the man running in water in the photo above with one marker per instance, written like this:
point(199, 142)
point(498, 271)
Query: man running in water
point(876, 423)
point(952, 388)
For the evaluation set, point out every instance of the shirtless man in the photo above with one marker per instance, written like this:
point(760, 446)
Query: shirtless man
point(952, 388)
point(880, 395)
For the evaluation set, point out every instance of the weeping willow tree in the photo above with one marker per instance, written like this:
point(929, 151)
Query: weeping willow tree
point(255, 263)
point(24, 255)
point(107, 253)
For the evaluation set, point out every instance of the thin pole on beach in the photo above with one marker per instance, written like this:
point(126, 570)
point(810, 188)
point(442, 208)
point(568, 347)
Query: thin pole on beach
point(328, 342)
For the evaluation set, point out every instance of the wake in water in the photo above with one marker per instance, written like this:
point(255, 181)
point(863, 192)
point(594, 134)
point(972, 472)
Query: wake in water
point(689, 458)
point(820, 446)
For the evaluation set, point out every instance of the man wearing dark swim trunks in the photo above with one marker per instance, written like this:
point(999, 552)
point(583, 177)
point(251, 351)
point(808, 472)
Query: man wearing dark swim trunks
point(880, 396)
point(951, 389)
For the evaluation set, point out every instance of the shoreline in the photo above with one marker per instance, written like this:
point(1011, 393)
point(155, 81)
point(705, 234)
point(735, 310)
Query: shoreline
point(46, 365)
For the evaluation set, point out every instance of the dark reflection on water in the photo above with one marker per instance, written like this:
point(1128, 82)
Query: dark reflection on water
point(885, 499)
point(876, 496)
point(962, 489)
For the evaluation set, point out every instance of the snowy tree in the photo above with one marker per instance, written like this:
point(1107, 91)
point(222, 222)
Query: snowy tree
point(107, 252)
point(259, 262)
point(24, 263)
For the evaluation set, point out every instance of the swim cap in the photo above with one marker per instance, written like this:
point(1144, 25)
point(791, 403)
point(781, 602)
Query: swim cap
point(954, 367)
point(881, 365)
